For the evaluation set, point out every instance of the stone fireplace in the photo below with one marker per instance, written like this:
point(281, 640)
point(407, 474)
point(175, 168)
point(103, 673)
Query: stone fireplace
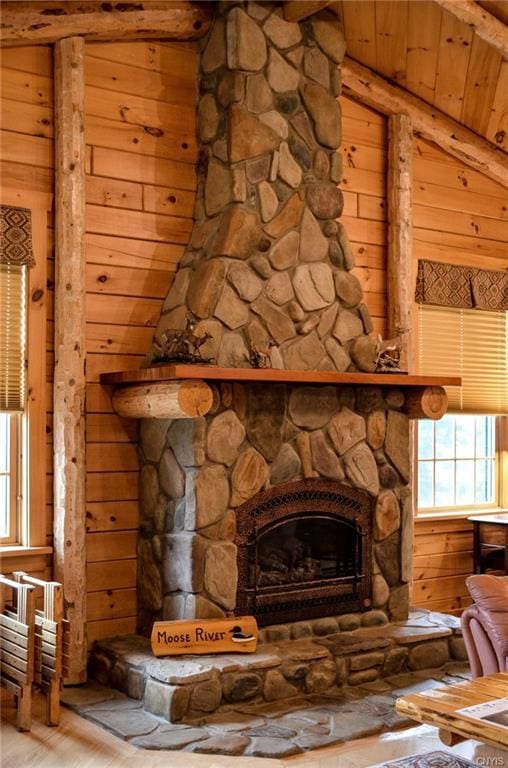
point(269, 267)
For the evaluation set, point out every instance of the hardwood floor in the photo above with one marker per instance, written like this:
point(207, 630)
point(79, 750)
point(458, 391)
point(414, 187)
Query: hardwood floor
point(78, 743)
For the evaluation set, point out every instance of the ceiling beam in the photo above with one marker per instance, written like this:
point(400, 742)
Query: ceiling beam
point(480, 21)
point(428, 122)
point(33, 23)
point(296, 10)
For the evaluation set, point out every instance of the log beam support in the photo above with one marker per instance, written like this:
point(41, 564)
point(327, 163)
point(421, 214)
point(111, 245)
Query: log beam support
point(479, 21)
point(426, 403)
point(32, 23)
point(185, 399)
point(400, 257)
point(428, 122)
point(70, 338)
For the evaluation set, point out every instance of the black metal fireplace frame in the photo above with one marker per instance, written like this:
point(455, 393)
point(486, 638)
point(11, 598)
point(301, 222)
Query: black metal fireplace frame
point(312, 498)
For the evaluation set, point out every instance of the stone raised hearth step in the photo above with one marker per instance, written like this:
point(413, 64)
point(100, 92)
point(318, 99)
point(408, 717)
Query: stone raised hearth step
point(192, 688)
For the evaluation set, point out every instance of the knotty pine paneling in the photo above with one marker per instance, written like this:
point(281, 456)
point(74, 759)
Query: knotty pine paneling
point(26, 165)
point(364, 137)
point(140, 187)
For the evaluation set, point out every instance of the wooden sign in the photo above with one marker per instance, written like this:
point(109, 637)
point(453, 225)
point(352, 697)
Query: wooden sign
point(174, 638)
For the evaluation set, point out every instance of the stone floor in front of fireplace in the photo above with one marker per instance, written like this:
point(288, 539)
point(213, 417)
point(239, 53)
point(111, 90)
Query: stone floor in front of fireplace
point(286, 722)
point(276, 730)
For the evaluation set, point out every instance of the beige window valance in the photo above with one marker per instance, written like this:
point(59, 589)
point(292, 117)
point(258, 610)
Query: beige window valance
point(451, 285)
point(16, 236)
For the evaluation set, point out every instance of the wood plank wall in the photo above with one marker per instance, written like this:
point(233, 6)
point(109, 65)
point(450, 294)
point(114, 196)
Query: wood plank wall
point(460, 217)
point(140, 135)
point(26, 166)
point(364, 137)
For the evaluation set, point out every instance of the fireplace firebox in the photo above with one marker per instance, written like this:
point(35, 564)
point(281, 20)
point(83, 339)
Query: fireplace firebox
point(304, 548)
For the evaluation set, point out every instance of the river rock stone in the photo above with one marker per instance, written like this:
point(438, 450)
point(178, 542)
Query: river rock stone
point(288, 218)
point(347, 327)
point(321, 676)
point(361, 468)
point(230, 89)
point(214, 55)
point(178, 290)
point(279, 288)
point(149, 578)
point(397, 442)
point(266, 408)
point(349, 289)
point(171, 476)
point(283, 34)
point(329, 35)
point(338, 354)
point(277, 687)
point(222, 744)
point(183, 562)
point(303, 354)
point(286, 466)
point(221, 574)
point(211, 491)
point(208, 118)
point(300, 152)
point(204, 288)
point(285, 251)
point(262, 266)
point(223, 186)
point(232, 352)
point(325, 200)
point(313, 284)
point(278, 323)
point(186, 437)
point(276, 122)
point(310, 407)
point(387, 515)
point(249, 475)
point(246, 44)
point(324, 459)
point(363, 352)
point(387, 556)
point(428, 655)
point(281, 75)
point(241, 686)
point(258, 94)
point(346, 429)
point(317, 67)
point(325, 113)
point(230, 309)
point(238, 234)
point(152, 437)
point(225, 435)
point(321, 169)
point(376, 427)
point(249, 137)
point(268, 201)
point(380, 591)
point(289, 170)
point(244, 281)
point(313, 244)
point(149, 490)
point(206, 696)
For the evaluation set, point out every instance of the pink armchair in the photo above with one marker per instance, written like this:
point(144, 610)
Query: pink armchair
point(485, 624)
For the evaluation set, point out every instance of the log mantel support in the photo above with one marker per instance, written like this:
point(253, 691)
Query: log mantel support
point(185, 399)
point(70, 344)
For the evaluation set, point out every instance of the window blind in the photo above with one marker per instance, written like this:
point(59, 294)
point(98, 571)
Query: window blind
point(470, 343)
point(12, 336)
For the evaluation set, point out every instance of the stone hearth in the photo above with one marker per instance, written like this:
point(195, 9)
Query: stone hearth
point(289, 697)
point(269, 267)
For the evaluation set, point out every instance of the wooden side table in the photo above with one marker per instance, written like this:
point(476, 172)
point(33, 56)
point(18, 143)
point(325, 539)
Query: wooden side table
point(485, 552)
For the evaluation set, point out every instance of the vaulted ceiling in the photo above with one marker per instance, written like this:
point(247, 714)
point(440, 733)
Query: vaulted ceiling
point(426, 50)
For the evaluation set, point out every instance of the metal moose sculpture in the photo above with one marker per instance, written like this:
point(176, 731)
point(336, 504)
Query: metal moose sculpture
point(183, 345)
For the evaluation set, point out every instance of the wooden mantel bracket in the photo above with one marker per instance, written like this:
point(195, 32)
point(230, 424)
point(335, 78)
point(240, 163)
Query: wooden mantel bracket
point(181, 391)
point(36, 23)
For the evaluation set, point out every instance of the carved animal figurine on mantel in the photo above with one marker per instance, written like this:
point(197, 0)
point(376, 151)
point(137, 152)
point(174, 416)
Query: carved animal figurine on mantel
point(183, 345)
point(388, 356)
point(264, 357)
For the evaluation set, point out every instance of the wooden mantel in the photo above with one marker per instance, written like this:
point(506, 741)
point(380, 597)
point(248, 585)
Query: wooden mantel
point(216, 373)
point(181, 391)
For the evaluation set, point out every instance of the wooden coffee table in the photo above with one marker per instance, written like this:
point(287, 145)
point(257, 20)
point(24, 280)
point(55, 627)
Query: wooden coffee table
point(439, 707)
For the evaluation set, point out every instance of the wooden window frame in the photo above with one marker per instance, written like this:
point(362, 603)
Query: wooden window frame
point(32, 451)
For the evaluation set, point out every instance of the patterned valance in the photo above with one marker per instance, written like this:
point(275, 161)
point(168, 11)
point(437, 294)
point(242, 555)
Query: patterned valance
point(451, 285)
point(16, 236)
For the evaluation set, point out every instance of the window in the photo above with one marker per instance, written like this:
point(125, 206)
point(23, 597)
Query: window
point(10, 477)
point(457, 463)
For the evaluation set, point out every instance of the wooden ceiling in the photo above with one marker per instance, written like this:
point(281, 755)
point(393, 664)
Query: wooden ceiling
point(427, 51)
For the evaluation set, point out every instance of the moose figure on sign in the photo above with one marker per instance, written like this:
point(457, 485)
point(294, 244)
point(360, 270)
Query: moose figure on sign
point(183, 345)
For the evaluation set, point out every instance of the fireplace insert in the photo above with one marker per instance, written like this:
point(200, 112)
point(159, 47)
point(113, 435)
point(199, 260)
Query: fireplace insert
point(304, 551)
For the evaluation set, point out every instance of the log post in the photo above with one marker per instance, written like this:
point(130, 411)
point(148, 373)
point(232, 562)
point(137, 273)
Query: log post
point(400, 256)
point(426, 403)
point(185, 399)
point(70, 336)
